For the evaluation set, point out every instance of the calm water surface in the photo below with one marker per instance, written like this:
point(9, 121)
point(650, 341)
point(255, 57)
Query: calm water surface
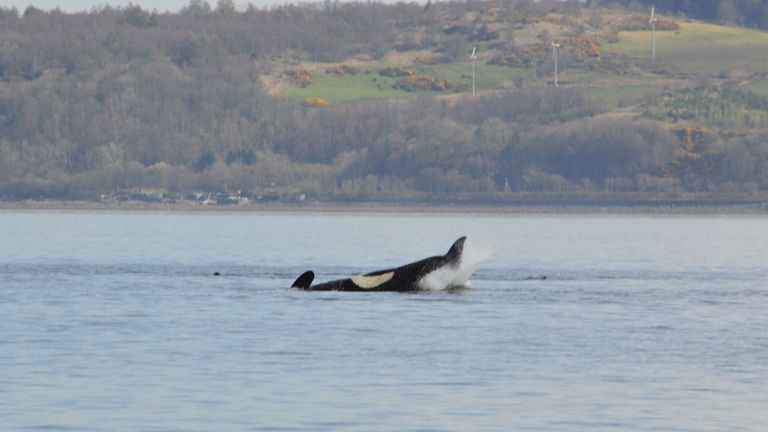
point(113, 321)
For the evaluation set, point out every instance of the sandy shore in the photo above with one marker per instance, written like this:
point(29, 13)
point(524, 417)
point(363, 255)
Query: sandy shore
point(529, 207)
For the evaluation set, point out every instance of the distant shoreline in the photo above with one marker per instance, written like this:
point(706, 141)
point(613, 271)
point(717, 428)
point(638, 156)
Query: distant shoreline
point(670, 207)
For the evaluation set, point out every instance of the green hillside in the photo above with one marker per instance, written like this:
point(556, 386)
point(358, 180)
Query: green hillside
point(371, 100)
point(694, 51)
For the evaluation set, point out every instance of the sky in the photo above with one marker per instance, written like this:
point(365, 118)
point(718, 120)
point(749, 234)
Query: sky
point(160, 5)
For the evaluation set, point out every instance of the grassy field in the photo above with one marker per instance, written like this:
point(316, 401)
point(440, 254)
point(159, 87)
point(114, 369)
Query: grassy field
point(368, 84)
point(339, 88)
point(699, 48)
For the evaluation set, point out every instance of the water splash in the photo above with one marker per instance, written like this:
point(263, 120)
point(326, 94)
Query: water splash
point(457, 276)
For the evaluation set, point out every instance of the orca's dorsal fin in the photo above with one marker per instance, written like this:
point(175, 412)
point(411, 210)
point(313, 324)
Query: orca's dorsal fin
point(454, 253)
point(304, 281)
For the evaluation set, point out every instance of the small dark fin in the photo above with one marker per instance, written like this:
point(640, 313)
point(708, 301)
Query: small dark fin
point(216, 274)
point(304, 281)
point(454, 254)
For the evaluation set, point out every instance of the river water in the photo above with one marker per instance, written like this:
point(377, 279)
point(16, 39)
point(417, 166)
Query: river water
point(114, 321)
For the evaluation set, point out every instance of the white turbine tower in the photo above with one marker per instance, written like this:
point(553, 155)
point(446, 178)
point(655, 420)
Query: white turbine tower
point(474, 58)
point(555, 47)
point(653, 21)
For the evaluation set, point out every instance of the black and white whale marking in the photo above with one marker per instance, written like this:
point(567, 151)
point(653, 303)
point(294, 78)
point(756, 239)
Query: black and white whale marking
point(410, 277)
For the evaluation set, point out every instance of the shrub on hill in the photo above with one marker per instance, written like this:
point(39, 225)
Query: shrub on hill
point(413, 83)
point(300, 76)
point(581, 48)
point(343, 70)
point(315, 102)
point(506, 59)
point(391, 71)
point(637, 22)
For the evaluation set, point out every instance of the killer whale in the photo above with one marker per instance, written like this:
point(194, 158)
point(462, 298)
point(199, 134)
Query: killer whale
point(410, 277)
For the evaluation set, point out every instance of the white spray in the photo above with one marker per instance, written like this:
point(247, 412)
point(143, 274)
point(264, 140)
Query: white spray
point(456, 276)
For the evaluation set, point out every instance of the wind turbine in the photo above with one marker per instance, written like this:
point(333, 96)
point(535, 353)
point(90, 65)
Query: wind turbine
point(555, 47)
point(474, 58)
point(653, 21)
